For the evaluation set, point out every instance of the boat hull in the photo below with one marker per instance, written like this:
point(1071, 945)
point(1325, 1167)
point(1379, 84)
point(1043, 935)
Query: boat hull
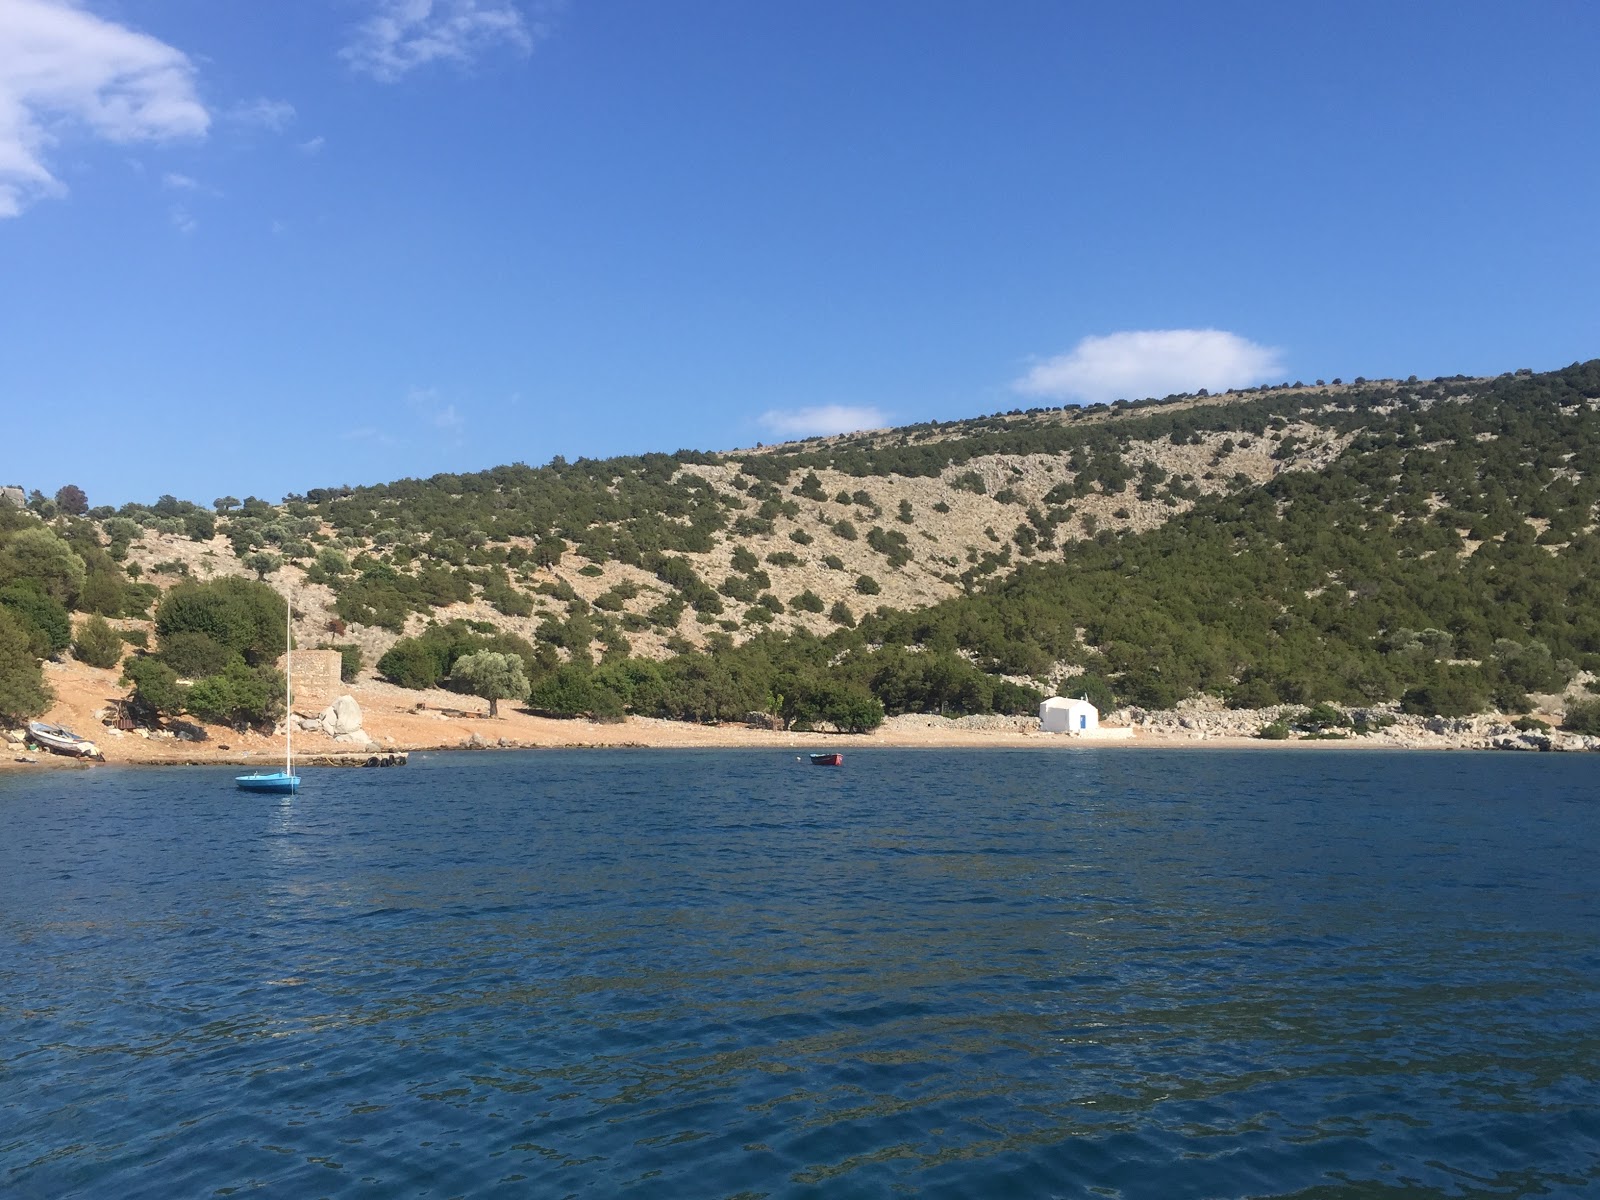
point(827, 760)
point(62, 741)
point(278, 783)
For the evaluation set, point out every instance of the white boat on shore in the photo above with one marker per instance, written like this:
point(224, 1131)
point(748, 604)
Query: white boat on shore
point(61, 740)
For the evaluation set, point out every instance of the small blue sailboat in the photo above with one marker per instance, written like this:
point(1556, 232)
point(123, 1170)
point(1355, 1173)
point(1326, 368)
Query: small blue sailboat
point(279, 782)
point(284, 782)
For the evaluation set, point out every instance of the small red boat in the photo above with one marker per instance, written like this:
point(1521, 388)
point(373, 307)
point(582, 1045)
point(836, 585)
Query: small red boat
point(827, 760)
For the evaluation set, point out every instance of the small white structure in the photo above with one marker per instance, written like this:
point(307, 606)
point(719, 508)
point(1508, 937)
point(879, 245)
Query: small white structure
point(1062, 715)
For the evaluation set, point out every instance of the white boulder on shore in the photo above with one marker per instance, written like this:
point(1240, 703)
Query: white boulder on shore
point(341, 721)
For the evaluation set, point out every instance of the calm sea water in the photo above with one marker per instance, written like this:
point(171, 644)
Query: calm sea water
point(730, 974)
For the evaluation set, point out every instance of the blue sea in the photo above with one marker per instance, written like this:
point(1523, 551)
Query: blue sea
point(1106, 972)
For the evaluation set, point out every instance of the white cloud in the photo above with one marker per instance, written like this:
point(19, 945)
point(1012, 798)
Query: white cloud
point(403, 35)
point(178, 183)
point(314, 146)
point(1151, 362)
point(824, 419)
point(63, 68)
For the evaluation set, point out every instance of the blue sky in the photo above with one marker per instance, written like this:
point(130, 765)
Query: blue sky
point(258, 248)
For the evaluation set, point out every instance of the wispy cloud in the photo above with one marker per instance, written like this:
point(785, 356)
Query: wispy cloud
point(313, 146)
point(179, 183)
point(183, 220)
point(369, 433)
point(275, 115)
point(823, 419)
point(403, 35)
point(436, 417)
point(63, 69)
point(1151, 362)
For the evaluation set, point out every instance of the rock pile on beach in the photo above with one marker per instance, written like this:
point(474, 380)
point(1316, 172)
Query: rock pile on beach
point(1204, 718)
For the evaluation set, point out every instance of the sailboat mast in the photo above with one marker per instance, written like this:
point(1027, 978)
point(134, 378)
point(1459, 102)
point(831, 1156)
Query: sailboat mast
point(288, 660)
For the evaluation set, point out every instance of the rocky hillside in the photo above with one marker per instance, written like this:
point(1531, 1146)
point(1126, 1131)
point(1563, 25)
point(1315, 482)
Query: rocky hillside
point(833, 526)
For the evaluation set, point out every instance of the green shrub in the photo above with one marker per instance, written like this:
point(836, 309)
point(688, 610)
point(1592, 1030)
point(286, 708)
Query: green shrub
point(568, 691)
point(1583, 716)
point(800, 537)
point(1321, 717)
point(246, 618)
point(35, 557)
point(414, 663)
point(156, 690)
point(195, 655)
point(1277, 731)
point(840, 614)
point(241, 697)
point(97, 643)
point(845, 530)
point(23, 691)
point(1454, 693)
point(867, 585)
point(891, 544)
point(807, 601)
point(46, 621)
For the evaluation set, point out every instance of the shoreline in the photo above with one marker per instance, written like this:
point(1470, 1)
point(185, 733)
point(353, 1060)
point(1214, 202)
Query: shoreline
point(644, 734)
point(394, 720)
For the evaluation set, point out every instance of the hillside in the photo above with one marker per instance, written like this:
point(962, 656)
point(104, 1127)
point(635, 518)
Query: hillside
point(1364, 543)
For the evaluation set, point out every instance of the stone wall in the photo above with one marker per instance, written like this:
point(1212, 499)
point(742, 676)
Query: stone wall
point(315, 678)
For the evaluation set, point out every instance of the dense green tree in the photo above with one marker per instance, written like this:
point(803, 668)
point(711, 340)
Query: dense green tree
point(241, 697)
point(47, 621)
point(194, 655)
point(243, 617)
point(1583, 717)
point(70, 499)
point(156, 690)
point(97, 643)
point(40, 559)
point(23, 691)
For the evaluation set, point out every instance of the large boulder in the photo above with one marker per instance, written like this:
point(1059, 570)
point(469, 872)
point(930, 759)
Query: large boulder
point(342, 717)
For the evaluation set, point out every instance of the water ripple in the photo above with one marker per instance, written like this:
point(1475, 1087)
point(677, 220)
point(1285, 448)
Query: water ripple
point(719, 974)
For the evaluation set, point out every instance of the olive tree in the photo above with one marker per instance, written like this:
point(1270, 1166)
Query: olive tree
point(492, 676)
